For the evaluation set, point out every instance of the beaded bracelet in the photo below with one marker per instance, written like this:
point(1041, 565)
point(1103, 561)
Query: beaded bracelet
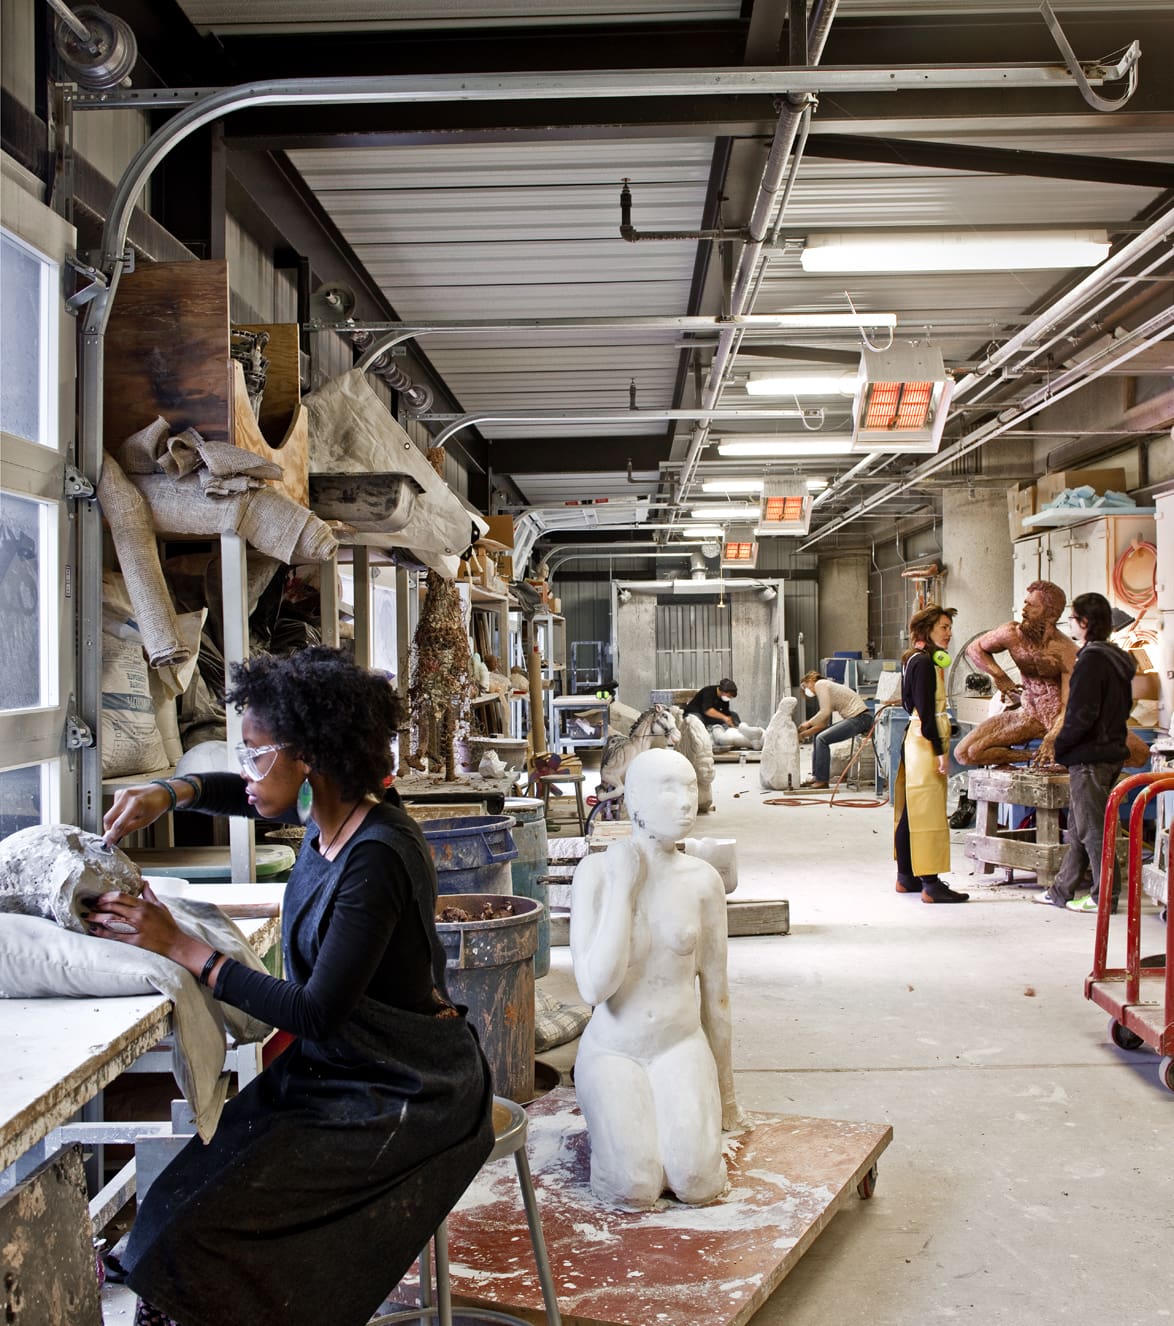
point(197, 789)
point(162, 782)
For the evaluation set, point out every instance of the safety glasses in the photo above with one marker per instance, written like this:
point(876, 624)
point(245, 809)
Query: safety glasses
point(247, 757)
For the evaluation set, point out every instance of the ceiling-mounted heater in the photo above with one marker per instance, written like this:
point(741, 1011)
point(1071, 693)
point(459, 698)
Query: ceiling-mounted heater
point(786, 507)
point(739, 549)
point(903, 400)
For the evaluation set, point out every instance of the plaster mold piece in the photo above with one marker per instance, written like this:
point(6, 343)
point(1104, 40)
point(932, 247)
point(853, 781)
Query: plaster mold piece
point(729, 738)
point(754, 735)
point(722, 855)
point(697, 748)
point(51, 870)
point(648, 941)
point(779, 768)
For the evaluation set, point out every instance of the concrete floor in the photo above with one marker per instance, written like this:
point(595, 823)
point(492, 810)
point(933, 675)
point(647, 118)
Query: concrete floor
point(1030, 1176)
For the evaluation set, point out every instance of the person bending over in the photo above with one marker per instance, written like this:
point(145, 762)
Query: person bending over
point(712, 704)
point(834, 698)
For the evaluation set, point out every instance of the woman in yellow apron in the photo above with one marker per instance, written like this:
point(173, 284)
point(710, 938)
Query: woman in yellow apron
point(921, 836)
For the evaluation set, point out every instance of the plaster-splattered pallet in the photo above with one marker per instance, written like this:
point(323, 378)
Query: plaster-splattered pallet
point(707, 1266)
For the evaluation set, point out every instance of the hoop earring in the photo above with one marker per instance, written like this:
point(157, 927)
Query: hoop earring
point(305, 800)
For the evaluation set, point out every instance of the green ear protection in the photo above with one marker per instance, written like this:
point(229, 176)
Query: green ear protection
point(941, 658)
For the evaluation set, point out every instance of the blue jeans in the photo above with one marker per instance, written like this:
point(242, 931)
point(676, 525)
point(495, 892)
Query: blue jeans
point(844, 730)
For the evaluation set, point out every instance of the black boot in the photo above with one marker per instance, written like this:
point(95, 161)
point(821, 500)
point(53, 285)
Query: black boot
point(936, 890)
point(908, 884)
point(964, 816)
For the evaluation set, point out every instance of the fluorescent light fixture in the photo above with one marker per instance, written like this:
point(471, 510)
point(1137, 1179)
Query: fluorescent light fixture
point(952, 251)
point(786, 507)
point(833, 321)
point(724, 511)
point(740, 549)
point(704, 531)
point(766, 447)
point(816, 484)
point(732, 486)
point(904, 399)
point(802, 384)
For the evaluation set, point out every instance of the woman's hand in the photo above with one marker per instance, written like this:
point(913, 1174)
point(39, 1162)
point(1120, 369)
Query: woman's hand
point(142, 922)
point(944, 765)
point(134, 808)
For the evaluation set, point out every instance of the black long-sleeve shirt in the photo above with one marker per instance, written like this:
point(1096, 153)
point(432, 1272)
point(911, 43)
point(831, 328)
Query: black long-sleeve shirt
point(919, 685)
point(374, 942)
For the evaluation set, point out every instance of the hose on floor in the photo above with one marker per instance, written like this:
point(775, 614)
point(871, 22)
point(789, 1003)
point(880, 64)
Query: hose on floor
point(847, 803)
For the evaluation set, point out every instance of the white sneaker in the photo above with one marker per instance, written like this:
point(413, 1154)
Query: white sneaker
point(1045, 896)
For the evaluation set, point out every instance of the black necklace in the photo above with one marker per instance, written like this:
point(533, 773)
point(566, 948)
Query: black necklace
point(335, 835)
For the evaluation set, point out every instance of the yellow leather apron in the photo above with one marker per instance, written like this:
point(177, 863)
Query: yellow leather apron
point(922, 791)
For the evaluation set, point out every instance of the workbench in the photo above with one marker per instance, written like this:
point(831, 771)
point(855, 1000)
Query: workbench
point(59, 1054)
point(1039, 850)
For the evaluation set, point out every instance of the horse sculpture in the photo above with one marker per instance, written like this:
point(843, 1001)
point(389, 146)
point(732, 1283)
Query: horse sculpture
point(654, 727)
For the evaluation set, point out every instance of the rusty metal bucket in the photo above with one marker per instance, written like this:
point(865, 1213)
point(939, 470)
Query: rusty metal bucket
point(490, 968)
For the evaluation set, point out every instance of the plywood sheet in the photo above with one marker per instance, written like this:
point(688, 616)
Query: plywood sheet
point(167, 351)
point(709, 1266)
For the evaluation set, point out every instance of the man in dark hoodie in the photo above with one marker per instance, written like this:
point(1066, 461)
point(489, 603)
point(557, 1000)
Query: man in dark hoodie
point(1092, 744)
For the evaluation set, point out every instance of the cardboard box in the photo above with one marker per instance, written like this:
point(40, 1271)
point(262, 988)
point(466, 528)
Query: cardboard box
point(505, 566)
point(1020, 503)
point(501, 530)
point(1050, 486)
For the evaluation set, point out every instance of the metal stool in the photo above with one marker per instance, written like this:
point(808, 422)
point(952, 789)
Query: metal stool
point(549, 781)
point(510, 1125)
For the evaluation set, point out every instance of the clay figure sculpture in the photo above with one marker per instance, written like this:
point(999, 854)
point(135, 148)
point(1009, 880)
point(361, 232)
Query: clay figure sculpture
point(648, 941)
point(779, 768)
point(697, 748)
point(1045, 658)
point(52, 870)
point(656, 727)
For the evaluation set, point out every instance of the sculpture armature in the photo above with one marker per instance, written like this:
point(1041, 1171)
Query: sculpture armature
point(654, 1072)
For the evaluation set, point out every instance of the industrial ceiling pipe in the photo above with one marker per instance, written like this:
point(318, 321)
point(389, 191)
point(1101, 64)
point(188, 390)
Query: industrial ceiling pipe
point(770, 186)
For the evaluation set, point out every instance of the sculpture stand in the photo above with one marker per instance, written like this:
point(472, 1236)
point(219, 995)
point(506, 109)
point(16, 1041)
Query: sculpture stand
point(1040, 849)
point(788, 1176)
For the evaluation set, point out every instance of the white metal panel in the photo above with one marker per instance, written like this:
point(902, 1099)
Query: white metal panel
point(310, 15)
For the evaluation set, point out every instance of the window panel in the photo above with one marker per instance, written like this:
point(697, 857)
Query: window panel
point(29, 795)
point(27, 628)
point(28, 338)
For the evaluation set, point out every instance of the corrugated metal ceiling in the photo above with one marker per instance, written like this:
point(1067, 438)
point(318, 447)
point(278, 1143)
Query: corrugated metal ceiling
point(517, 224)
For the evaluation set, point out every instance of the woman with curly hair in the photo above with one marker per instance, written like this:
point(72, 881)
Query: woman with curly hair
point(329, 1172)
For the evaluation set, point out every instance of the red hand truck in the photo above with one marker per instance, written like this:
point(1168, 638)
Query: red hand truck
point(1139, 999)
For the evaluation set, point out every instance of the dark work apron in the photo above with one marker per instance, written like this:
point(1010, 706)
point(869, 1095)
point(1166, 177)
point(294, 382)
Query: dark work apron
point(329, 1172)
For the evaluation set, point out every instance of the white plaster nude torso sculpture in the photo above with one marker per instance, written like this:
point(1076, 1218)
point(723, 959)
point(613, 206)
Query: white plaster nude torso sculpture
point(654, 1072)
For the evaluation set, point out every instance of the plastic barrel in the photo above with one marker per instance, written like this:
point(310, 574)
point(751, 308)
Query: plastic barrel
point(472, 852)
point(490, 969)
point(529, 835)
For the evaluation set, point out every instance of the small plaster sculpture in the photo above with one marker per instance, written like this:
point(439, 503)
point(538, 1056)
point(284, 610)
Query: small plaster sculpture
point(656, 727)
point(648, 940)
point(51, 870)
point(779, 767)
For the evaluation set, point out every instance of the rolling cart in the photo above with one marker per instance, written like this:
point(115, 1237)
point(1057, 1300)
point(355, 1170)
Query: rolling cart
point(1139, 997)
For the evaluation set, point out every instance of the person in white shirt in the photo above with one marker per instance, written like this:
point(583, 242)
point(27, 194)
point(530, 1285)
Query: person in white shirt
point(833, 698)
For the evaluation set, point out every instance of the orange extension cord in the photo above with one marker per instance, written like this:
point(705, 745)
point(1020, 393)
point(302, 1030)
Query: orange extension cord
point(1139, 598)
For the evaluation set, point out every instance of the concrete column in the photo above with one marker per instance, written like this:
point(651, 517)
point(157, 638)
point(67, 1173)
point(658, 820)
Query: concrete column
point(752, 647)
point(843, 605)
point(976, 551)
point(636, 649)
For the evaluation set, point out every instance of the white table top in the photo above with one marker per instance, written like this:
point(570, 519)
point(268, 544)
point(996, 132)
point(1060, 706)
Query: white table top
point(59, 1053)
